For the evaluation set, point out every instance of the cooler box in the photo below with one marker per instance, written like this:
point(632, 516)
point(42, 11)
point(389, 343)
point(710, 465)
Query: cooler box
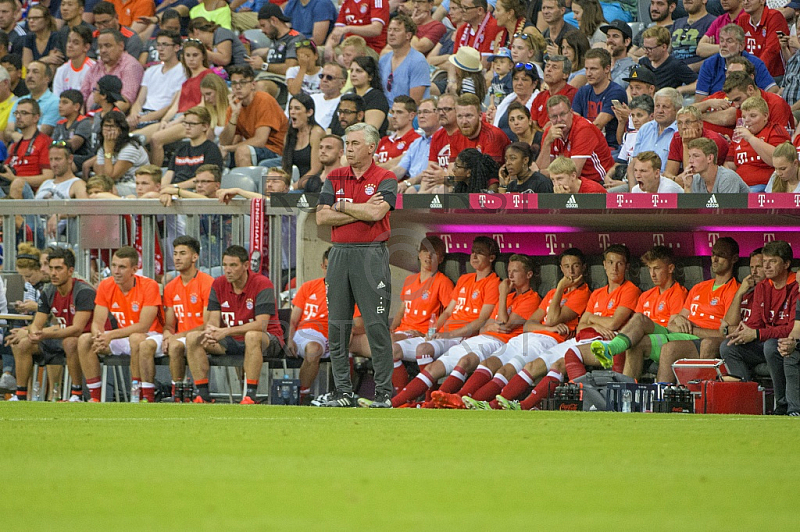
point(713, 397)
point(699, 369)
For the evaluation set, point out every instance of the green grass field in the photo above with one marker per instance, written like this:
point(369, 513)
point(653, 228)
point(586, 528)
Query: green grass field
point(226, 467)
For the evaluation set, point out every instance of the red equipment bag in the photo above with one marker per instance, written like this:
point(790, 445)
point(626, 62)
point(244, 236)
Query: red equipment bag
point(714, 397)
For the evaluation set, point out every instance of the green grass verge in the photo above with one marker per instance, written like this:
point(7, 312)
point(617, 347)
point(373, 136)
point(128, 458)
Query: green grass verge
point(221, 467)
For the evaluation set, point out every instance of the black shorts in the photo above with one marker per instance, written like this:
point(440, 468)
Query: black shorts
point(50, 351)
point(235, 347)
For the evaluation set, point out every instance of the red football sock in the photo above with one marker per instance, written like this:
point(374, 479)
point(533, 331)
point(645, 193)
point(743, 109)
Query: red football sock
point(494, 404)
point(481, 376)
point(399, 376)
point(543, 390)
point(490, 390)
point(149, 391)
point(574, 363)
point(415, 388)
point(94, 388)
point(619, 363)
point(454, 381)
point(517, 385)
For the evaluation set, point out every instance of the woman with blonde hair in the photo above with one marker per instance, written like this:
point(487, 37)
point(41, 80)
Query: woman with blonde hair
point(787, 169)
point(215, 98)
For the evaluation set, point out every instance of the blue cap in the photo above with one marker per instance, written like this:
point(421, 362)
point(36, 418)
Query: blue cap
point(502, 52)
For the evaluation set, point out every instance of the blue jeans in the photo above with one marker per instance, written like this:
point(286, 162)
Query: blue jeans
point(758, 188)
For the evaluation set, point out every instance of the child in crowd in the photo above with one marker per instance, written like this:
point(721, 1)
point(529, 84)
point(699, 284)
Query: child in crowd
point(501, 79)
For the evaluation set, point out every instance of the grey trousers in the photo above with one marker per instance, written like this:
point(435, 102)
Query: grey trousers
point(741, 359)
point(785, 373)
point(359, 274)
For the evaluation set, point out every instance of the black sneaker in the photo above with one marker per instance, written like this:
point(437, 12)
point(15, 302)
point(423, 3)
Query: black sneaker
point(382, 401)
point(342, 400)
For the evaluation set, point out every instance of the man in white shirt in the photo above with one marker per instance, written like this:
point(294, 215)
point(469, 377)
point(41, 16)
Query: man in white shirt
point(647, 173)
point(332, 80)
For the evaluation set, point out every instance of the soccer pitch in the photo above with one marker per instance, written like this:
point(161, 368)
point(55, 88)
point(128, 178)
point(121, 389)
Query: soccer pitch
point(228, 467)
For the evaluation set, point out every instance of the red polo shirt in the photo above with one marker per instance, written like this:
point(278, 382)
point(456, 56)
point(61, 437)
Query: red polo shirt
point(587, 142)
point(342, 184)
point(761, 40)
point(393, 146)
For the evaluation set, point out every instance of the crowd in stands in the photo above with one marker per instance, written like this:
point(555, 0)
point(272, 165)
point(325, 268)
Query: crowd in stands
point(116, 99)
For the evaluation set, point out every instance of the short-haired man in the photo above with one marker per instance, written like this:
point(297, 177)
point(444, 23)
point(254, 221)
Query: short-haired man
point(403, 69)
point(312, 18)
point(64, 185)
point(159, 83)
point(475, 133)
point(762, 26)
point(115, 61)
point(704, 175)
point(106, 18)
point(254, 118)
point(557, 69)
point(189, 156)
point(657, 134)
point(356, 201)
point(472, 302)
point(669, 71)
point(74, 128)
point(10, 14)
point(647, 175)
point(350, 111)
point(429, 30)
point(661, 15)
point(186, 300)
point(690, 127)
point(711, 77)
point(282, 54)
point(332, 79)
point(130, 304)
point(37, 81)
point(331, 151)
point(566, 179)
point(78, 42)
point(72, 12)
point(71, 303)
point(687, 32)
point(415, 160)
point(242, 319)
point(553, 15)
point(392, 148)
point(432, 179)
point(7, 98)
point(479, 28)
point(572, 135)
point(700, 317)
point(593, 101)
point(618, 43)
point(755, 339)
point(709, 43)
point(28, 157)
point(366, 19)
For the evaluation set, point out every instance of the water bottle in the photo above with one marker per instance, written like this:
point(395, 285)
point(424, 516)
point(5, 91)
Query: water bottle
point(432, 326)
point(286, 392)
point(36, 390)
point(626, 400)
point(736, 137)
point(56, 392)
point(135, 389)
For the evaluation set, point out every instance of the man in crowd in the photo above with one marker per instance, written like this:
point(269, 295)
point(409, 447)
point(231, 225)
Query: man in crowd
point(186, 301)
point(256, 125)
point(282, 55)
point(64, 185)
point(762, 26)
point(647, 175)
point(704, 175)
point(28, 157)
point(189, 156)
point(392, 148)
point(366, 19)
point(669, 71)
point(553, 15)
point(479, 28)
point(113, 60)
point(475, 133)
point(594, 100)
point(350, 111)
point(71, 303)
point(10, 16)
point(433, 177)
point(690, 127)
point(242, 320)
point(331, 151)
point(105, 18)
point(661, 16)
point(556, 72)
point(312, 18)
point(656, 135)
point(74, 128)
point(571, 135)
point(404, 70)
point(429, 30)
point(687, 32)
point(331, 81)
point(125, 304)
point(618, 43)
point(72, 15)
point(37, 81)
point(710, 43)
point(415, 160)
point(13, 64)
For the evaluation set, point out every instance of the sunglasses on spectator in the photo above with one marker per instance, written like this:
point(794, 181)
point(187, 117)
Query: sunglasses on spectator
point(307, 43)
point(525, 66)
point(523, 36)
point(328, 77)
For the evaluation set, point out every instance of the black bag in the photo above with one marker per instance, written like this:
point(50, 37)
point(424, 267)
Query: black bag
point(594, 387)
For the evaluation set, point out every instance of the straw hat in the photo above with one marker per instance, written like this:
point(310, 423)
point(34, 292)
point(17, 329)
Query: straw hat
point(467, 58)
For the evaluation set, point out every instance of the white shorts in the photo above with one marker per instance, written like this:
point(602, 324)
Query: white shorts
point(122, 346)
point(440, 346)
point(526, 346)
point(483, 346)
point(303, 337)
point(550, 356)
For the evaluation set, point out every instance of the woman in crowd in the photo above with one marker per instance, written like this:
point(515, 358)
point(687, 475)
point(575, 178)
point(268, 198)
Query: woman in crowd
point(170, 129)
point(589, 15)
point(215, 98)
point(120, 154)
point(520, 174)
point(521, 125)
point(511, 20)
point(754, 143)
point(523, 50)
point(41, 43)
point(470, 78)
point(305, 76)
point(525, 81)
point(366, 82)
point(574, 46)
point(223, 47)
point(787, 169)
point(474, 172)
point(301, 147)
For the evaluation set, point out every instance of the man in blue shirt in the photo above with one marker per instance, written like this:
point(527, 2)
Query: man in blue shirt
point(656, 135)
point(312, 18)
point(404, 70)
point(712, 74)
point(594, 100)
point(415, 160)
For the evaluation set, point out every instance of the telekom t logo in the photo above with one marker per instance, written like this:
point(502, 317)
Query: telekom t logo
point(712, 239)
point(762, 198)
point(654, 199)
point(500, 239)
point(605, 240)
point(550, 243)
point(658, 239)
point(620, 200)
point(448, 241)
point(769, 237)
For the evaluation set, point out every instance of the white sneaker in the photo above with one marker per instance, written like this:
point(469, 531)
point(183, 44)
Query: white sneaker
point(322, 399)
point(8, 383)
point(75, 399)
point(14, 398)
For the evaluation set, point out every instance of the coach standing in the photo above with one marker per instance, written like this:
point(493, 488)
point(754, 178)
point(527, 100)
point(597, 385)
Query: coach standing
point(356, 200)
